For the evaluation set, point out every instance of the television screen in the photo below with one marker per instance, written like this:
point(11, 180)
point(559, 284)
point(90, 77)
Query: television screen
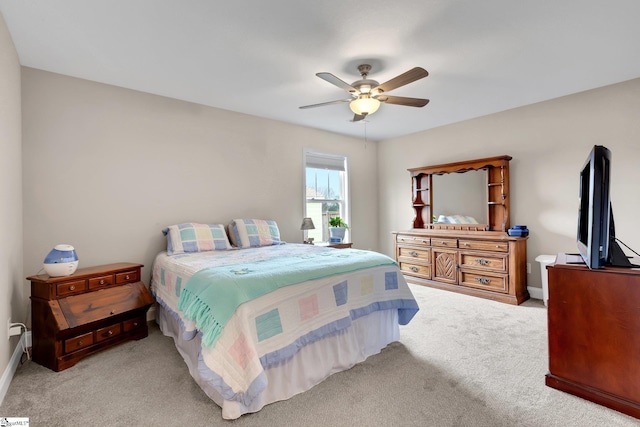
point(596, 232)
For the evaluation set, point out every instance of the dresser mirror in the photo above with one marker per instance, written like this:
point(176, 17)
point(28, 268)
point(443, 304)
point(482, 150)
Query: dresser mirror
point(473, 188)
point(460, 194)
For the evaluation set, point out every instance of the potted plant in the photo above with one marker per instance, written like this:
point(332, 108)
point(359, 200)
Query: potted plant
point(337, 229)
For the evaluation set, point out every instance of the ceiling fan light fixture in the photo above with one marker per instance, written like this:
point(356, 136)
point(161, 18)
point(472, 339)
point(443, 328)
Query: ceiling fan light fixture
point(364, 104)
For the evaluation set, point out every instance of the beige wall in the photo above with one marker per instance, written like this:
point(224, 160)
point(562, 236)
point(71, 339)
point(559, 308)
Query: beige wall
point(13, 302)
point(549, 143)
point(107, 168)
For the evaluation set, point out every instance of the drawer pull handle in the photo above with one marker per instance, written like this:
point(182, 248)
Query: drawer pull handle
point(414, 269)
point(80, 342)
point(443, 242)
point(482, 261)
point(413, 253)
point(113, 312)
point(72, 287)
point(483, 280)
point(109, 332)
point(135, 324)
point(425, 242)
point(102, 282)
point(465, 244)
point(126, 277)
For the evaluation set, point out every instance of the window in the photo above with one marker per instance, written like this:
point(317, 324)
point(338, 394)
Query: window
point(326, 194)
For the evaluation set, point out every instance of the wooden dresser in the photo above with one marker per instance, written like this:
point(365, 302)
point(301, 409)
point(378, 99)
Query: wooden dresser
point(93, 309)
point(485, 264)
point(474, 259)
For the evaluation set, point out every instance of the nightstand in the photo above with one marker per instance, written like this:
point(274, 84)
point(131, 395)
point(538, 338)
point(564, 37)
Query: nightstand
point(93, 309)
point(335, 245)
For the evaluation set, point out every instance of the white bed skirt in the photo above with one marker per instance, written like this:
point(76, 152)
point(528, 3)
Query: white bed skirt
point(309, 366)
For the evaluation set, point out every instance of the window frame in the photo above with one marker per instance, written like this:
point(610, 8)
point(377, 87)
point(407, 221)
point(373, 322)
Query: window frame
point(324, 160)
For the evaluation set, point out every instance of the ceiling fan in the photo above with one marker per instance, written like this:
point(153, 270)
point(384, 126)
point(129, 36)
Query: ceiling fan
point(367, 94)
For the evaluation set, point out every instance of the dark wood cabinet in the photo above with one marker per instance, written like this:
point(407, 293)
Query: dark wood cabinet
point(93, 309)
point(594, 334)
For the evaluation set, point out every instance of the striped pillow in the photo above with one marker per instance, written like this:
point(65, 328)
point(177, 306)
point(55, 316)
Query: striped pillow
point(253, 233)
point(193, 237)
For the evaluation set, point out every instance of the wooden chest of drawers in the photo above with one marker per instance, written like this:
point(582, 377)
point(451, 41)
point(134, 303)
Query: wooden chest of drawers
point(487, 264)
point(93, 309)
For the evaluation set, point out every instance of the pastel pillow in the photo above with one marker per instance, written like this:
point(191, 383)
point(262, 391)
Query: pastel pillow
point(461, 219)
point(193, 237)
point(253, 233)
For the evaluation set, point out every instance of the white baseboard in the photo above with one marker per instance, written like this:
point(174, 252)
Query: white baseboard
point(535, 293)
point(151, 314)
point(10, 371)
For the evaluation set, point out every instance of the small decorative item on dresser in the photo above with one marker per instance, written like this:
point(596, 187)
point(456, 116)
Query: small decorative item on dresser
point(62, 260)
point(518, 231)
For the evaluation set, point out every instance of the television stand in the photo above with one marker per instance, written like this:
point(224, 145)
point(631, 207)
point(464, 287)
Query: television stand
point(594, 334)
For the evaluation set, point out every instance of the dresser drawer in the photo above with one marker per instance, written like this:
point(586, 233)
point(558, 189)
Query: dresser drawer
point(108, 332)
point(411, 255)
point(131, 324)
point(70, 288)
point(492, 262)
point(497, 282)
point(127, 277)
point(480, 245)
point(444, 243)
point(413, 240)
point(100, 282)
point(76, 343)
point(416, 270)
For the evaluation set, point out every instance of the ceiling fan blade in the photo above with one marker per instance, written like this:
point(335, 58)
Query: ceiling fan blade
point(358, 117)
point(410, 76)
point(322, 104)
point(401, 100)
point(336, 81)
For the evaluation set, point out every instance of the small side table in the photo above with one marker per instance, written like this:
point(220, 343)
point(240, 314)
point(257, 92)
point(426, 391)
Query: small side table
point(336, 245)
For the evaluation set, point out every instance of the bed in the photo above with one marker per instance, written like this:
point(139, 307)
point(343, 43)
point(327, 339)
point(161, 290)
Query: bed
point(262, 322)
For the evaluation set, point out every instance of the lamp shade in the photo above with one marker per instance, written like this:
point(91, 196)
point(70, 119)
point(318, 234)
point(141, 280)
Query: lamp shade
point(62, 260)
point(364, 104)
point(307, 224)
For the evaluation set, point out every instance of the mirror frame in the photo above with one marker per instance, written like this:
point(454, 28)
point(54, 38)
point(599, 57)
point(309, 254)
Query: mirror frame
point(497, 184)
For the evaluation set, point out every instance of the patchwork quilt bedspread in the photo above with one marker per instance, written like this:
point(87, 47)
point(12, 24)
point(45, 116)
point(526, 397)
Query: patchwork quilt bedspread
point(278, 312)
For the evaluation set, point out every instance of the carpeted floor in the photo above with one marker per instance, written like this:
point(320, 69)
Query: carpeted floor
point(462, 361)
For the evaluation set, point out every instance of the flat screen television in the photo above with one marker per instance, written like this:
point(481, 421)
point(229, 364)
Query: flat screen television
point(596, 230)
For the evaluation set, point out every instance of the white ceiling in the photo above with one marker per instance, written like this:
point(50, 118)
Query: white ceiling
point(260, 57)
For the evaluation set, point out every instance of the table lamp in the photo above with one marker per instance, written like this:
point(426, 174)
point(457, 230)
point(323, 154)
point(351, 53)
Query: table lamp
point(307, 224)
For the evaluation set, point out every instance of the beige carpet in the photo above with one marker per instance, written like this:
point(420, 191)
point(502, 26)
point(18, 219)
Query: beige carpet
point(463, 361)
